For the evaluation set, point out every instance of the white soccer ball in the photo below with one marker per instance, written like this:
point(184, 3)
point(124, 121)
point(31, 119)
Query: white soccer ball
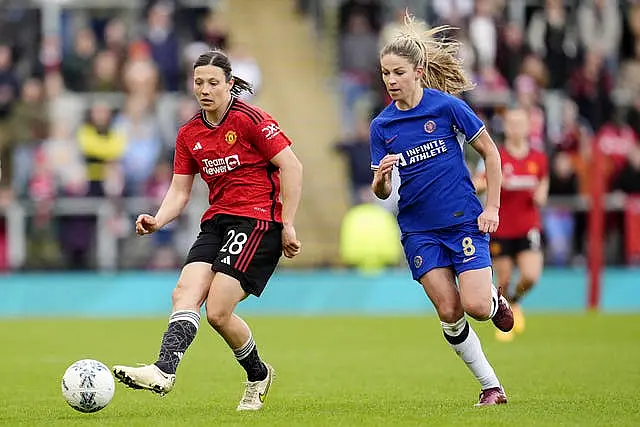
point(88, 385)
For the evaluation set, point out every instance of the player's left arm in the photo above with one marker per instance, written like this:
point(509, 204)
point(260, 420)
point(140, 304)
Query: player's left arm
point(487, 149)
point(274, 145)
point(473, 129)
point(541, 193)
point(290, 183)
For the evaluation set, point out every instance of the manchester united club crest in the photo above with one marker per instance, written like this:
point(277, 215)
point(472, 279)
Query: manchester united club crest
point(430, 126)
point(230, 137)
point(417, 261)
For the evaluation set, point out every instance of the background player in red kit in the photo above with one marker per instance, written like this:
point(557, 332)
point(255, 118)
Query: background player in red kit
point(245, 159)
point(525, 187)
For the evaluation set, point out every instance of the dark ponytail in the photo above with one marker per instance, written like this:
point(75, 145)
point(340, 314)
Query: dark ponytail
point(219, 59)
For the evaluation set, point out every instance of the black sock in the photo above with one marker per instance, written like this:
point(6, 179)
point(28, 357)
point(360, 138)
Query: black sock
point(247, 357)
point(182, 329)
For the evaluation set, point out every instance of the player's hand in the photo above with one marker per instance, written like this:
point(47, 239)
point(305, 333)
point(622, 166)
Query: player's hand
point(146, 224)
point(488, 220)
point(290, 245)
point(387, 163)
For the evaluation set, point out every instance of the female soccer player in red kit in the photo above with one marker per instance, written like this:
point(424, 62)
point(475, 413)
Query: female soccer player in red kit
point(525, 186)
point(245, 159)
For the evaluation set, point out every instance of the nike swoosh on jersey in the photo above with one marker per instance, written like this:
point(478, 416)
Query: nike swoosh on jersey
point(468, 259)
point(390, 140)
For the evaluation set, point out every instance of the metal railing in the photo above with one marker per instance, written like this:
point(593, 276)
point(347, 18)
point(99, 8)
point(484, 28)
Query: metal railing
point(18, 213)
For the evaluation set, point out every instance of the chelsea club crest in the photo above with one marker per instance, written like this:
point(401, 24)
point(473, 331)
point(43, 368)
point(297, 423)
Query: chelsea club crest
point(430, 126)
point(417, 261)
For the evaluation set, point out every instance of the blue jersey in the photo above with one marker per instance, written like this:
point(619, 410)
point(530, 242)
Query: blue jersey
point(435, 185)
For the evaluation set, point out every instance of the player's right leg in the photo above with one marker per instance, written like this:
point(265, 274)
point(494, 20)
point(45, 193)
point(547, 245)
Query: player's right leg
point(439, 284)
point(431, 267)
point(187, 297)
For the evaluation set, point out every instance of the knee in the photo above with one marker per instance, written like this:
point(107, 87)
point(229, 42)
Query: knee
point(450, 313)
point(479, 310)
point(528, 279)
point(178, 297)
point(218, 318)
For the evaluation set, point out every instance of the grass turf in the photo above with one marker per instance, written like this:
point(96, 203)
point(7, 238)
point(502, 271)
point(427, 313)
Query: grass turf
point(566, 370)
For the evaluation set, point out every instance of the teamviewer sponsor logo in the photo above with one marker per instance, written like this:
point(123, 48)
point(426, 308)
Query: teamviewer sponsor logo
point(221, 165)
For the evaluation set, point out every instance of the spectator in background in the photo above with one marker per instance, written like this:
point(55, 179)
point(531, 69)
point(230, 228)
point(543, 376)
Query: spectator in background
point(628, 80)
point(633, 114)
point(574, 131)
point(106, 73)
point(631, 30)
point(64, 106)
point(511, 51)
point(355, 149)
point(560, 223)
point(163, 45)
point(140, 74)
point(66, 162)
point(599, 25)
point(100, 143)
point(552, 37)
point(562, 178)
point(591, 87)
point(246, 67)
point(454, 13)
point(358, 64)
point(77, 65)
point(483, 33)
point(29, 128)
point(140, 129)
point(115, 39)
point(527, 98)
point(616, 140)
point(164, 256)
point(213, 31)
point(628, 181)
point(9, 93)
point(371, 10)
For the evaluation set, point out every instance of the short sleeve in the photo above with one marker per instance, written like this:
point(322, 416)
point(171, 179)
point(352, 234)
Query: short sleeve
point(183, 161)
point(465, 120)
point(377, 146)
point(269, 139)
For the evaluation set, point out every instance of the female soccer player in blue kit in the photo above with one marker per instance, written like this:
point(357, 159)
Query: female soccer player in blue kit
point(444, 226)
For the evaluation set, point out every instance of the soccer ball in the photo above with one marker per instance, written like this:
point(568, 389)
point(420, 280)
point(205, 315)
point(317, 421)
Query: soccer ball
point(88, 385)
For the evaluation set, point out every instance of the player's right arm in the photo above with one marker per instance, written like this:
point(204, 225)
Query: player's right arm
point(177, 197)
point(381, 163)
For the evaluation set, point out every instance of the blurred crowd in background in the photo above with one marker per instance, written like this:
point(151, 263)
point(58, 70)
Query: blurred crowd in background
point(91, 110)
point(573, 65)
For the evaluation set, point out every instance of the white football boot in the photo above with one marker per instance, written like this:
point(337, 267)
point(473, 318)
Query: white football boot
point(255, 392)
point(147, 377)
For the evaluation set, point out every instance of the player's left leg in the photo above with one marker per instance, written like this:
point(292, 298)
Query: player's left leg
point(471, 260)
point(244, 267)
point(503, 267)
point(224, 295)
point(530, 263)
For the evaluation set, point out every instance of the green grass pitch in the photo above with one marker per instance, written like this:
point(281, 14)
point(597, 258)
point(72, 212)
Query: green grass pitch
point(565, 370)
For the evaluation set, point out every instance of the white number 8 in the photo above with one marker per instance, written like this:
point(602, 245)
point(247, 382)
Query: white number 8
point(235, 242)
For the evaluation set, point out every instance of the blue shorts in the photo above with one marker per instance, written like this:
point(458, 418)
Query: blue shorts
point(462, 247)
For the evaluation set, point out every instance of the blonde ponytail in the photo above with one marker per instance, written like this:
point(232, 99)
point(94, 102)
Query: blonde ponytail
point(443, 69)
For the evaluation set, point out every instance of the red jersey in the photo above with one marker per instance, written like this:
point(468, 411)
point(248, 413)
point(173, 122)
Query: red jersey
point(520, 178)
point(233, 158)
